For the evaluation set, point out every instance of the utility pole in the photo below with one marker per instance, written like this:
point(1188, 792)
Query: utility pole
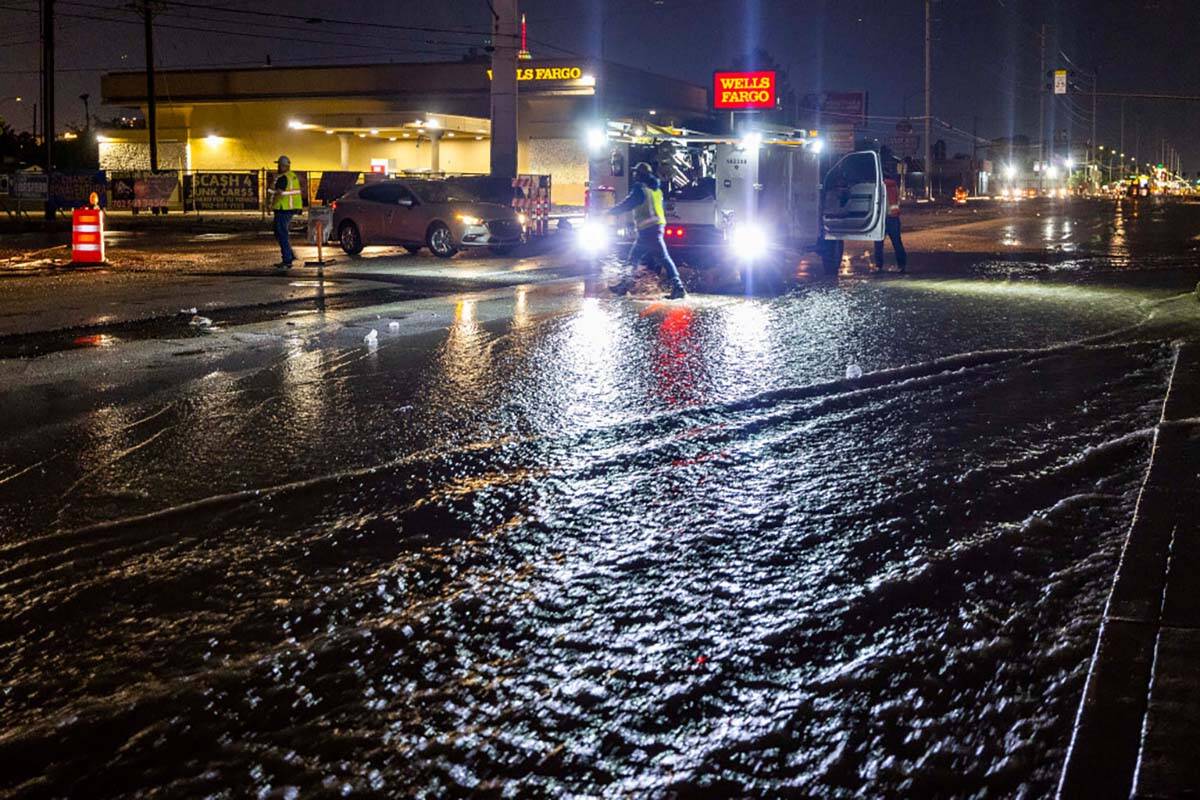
point(1122, 124)
point(1095, 80)
point(48, 97)
point(504, 88)
point(87, 117)
point(151, 96)
point(975, 150)
point(928, 99)
point(1042, 101)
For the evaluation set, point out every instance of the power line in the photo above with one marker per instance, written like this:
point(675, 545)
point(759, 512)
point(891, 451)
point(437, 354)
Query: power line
point(334, 21)
point(307, 27)
point(223, 32)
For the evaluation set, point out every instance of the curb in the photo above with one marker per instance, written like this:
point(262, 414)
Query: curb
point(1137, 732)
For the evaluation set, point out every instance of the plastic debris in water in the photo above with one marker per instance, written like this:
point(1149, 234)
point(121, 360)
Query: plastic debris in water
point(853, 372)
point(393, 327)
point(200, 322)
point(372, 338)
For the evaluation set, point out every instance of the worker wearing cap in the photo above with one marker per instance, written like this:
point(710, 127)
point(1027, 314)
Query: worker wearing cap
point(286, 202)
point(645, 200)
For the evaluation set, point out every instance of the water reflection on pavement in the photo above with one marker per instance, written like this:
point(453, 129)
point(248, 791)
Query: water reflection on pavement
point(622, 547)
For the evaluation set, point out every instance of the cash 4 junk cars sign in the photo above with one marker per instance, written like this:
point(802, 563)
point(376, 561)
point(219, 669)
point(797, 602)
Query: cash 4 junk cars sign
point(221, 191)
point(744, 91)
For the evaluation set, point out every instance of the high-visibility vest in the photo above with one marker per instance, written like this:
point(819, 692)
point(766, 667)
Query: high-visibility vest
point(650, 213)
point(289, 199)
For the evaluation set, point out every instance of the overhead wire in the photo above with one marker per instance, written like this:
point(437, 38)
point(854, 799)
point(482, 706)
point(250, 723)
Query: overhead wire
point(224, 32)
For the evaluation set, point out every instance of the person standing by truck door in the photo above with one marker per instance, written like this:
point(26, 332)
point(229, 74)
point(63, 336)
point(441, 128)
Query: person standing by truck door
point(286, 202)
point(892, 223)
point(645, 200)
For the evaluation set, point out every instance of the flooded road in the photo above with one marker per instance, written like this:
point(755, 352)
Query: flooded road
point(573, 545)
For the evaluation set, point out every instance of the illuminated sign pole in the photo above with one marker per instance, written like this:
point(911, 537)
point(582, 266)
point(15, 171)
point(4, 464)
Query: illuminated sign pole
point(504, 89)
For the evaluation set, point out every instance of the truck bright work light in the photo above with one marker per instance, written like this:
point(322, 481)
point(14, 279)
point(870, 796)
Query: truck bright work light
point(593, 237)
point(748, 241)
point(751, 141)
point(596, 138)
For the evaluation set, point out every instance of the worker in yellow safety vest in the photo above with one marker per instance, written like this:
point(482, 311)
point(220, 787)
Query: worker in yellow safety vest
point(286, 202)
point(645, 200)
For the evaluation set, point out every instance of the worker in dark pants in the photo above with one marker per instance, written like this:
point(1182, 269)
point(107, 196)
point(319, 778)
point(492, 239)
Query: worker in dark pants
point(286, 202)
point(892, 223)
point(645, 200)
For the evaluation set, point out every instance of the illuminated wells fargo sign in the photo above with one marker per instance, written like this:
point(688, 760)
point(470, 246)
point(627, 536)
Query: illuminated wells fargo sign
point(567, 73)
point(744, 91)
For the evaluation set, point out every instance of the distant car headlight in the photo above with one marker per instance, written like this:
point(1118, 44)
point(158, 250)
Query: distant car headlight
point(521, 218)
point(749, 241)
point(467, 219)
point(593, 237)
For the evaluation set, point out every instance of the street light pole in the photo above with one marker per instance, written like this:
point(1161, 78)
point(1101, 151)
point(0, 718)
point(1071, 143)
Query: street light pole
point(1042, 100)
point(48, 96)
point(1095, 81)
point(151, 95)
point(928, 100)
point(87, 117)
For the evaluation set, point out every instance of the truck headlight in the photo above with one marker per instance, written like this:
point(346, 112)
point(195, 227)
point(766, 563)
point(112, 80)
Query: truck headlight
point(749, 241)
point(593, 237)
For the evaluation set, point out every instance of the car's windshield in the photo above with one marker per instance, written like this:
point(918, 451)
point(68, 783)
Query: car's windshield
point(434, 192)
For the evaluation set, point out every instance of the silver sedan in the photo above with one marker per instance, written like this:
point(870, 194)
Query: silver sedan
point(439, 215)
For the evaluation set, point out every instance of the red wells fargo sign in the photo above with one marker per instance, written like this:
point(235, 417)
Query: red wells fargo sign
point(743, 91)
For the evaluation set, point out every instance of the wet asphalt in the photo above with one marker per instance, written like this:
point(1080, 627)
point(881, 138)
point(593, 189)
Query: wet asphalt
point(538, 540)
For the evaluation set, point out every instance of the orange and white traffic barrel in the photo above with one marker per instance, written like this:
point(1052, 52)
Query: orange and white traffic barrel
point(87, 236)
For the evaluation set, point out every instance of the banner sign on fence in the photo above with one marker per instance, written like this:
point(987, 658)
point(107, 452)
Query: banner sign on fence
point(142, 190)
point(221, 191)
point(29, 186)
point(72, 189)
point(335, 184)
point(272, 175)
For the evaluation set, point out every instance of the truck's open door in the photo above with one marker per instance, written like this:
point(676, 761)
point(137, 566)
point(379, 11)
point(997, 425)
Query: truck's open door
point(853, 199)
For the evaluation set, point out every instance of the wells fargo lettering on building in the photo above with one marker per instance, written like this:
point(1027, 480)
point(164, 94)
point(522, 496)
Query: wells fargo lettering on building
point(742, 91)
point(547, 73)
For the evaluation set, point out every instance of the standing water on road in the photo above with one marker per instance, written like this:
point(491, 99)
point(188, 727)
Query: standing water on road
point(617, 548)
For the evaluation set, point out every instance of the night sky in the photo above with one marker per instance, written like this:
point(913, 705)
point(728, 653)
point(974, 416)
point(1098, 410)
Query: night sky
point(985, 51)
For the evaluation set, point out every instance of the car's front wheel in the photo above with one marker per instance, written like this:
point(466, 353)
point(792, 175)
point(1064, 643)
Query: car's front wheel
point(440, 240)
point(350, 238)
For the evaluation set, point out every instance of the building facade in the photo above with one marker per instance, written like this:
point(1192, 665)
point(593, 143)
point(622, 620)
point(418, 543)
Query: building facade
point(423, 117)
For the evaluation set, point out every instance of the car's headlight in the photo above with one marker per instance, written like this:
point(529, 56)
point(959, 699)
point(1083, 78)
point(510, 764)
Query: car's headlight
point(467, 219)
point(521, 218)
point(749, 241)
point(594, 237)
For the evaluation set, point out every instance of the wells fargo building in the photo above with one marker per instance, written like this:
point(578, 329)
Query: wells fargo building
point(412, 117)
